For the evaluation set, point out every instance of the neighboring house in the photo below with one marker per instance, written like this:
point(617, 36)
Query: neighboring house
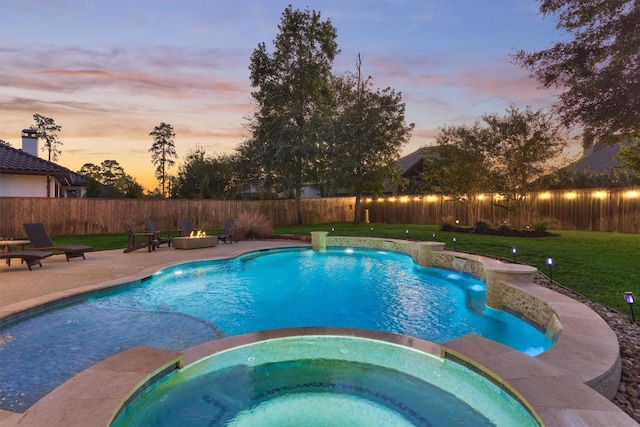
point(23, 173)
point(412, 165)
point(598, 159)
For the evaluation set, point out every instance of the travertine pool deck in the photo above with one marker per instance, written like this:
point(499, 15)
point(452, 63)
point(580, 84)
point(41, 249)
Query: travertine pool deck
point(553, 383)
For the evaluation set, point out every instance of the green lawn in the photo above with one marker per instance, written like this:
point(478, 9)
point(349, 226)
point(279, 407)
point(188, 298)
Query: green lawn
point(600, 266)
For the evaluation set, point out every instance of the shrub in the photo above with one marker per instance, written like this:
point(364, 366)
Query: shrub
point(504, 227)
point(253, 225)
point(481, 227)
point(542, 225)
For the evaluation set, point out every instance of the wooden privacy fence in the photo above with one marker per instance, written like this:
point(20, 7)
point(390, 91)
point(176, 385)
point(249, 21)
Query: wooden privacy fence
point(75, 216)
point(616, 210)
point(602, 210)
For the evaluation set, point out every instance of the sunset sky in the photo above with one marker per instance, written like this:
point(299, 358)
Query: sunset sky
point(110, 71)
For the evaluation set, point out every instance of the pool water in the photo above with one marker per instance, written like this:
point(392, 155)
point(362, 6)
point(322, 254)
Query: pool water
point(349, 381)
point(188, 304)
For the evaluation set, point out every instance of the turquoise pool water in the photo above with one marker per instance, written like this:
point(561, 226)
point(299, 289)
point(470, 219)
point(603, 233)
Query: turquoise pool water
point(324, 381)
point(185, 305)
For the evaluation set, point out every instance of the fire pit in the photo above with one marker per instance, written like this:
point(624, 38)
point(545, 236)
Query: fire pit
point(195, 241)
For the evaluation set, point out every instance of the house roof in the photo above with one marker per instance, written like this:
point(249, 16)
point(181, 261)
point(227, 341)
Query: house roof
point(18, 162)
point(412, 163)
point(599, 159)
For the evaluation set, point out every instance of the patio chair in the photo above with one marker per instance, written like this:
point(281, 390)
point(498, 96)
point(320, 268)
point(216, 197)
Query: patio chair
point(151, 227)
point(31, 258)
point(41, 241)
point(139, 240)
point(185, 227)
point(229, 232)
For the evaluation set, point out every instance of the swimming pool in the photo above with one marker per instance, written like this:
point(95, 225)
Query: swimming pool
point(324, 381)
point(188, 304)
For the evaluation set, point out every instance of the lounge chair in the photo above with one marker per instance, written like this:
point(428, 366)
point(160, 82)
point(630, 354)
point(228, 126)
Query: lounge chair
point(31, 258)
point(185, 227)
point(229, 232)
point(151, 227)
point(41, 241)
point(139, 240)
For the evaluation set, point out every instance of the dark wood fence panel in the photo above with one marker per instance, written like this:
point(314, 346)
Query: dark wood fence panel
point(608, 210)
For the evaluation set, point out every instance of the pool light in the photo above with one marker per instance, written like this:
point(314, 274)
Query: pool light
point(549, 262)
point(628, 297)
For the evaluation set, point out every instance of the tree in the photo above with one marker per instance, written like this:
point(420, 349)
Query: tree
point(367, 134)
point(46, 131)
point(130, 187)
point(522, 144)
point(629, 157)
point(599, 69)
point(508, 154)
point(293, 98)
point(111, 174)
point(206, 177)
point(163, 151)
point(91, 170)
point(460, 166)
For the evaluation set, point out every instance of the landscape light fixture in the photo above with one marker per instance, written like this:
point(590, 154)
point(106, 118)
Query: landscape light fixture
point(628, 297)
point(433, 235)
point(513, 251)
point(550, 264)
point(407, 233)
point(454, 243)
point(372, 231)
point(333, 230)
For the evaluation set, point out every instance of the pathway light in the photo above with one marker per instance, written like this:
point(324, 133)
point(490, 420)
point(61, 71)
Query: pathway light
point(550, 264)
point(628, 297)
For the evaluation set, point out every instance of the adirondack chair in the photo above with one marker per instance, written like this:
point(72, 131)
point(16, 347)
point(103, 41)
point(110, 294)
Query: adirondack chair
point(139, 240)
point(229, 232)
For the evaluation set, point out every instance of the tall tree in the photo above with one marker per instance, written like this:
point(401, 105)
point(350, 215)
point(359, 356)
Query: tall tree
point(460, 166)
point(163, 151)
point(47, 131)
point(599, 70)
point(293, 98)
point(367, 134)
point(523, 145)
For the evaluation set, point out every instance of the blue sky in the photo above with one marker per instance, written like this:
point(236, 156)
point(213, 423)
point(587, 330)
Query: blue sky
point(109, 71)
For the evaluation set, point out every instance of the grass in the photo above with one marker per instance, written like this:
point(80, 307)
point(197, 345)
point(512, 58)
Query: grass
point(600, 266)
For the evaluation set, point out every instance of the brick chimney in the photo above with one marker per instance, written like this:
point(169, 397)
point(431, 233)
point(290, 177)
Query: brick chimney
point(30, 141)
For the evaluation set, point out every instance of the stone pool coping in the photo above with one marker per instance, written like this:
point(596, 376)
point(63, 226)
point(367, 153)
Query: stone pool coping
point(587, 351)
